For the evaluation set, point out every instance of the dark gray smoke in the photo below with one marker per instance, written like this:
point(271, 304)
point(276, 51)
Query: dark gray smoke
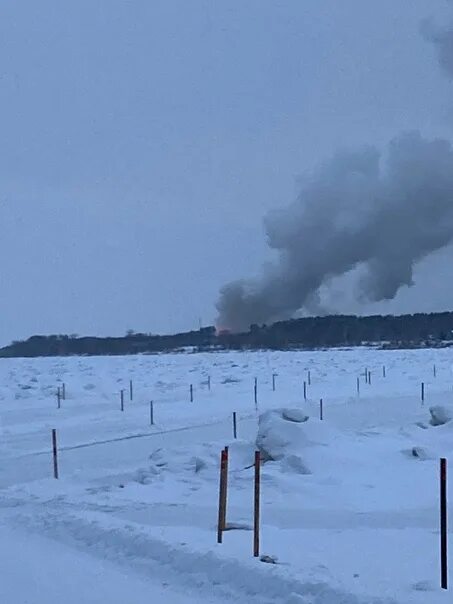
point(442, 38)
point(361, 209)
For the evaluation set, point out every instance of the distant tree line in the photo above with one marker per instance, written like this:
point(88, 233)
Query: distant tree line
point(405, 331)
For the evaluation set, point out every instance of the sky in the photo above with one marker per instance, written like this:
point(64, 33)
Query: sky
point(143, 142)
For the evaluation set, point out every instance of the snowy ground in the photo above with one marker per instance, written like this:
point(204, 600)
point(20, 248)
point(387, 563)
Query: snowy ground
point(350, 512)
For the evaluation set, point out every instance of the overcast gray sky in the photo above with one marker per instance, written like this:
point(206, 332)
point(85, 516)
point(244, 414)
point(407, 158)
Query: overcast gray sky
point(143, 141)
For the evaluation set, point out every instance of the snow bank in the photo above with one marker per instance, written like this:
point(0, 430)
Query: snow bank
point(280, 433)
point(440, 415)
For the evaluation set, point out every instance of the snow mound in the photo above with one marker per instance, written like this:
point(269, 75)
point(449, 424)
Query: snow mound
point(440, 415)
point(279, 436)
point(203, 462)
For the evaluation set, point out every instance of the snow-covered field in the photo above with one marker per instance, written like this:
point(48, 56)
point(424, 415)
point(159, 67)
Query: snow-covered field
point(349, 506)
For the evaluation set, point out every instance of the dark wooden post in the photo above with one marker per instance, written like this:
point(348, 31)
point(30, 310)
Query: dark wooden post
point(55, 453)
point(151, 413)
point(122, 400)
point(191, 393)
point(443, 524)
point(58, 398)
point(256, 507)
point(235, 428)
point(225, 491)
point(320, 410)
point(220, 527)
point(131, 390)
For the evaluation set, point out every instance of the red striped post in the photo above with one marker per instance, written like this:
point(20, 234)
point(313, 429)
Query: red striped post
point(55, 453)
point(256, 507)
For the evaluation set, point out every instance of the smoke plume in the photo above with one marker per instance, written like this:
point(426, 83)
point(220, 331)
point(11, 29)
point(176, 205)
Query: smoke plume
point(383, 213)
point(442, 38)
point(378, 213)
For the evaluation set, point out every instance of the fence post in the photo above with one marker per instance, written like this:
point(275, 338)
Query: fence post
point(369, 378)
point(255, 391)
point(235, 430)
point(321, 417)
point(122, 400)
point(63, 391)
point(435, 371)
point(55, 453)
point(256, 507)
point(443, 524)
point(423, 392)
point(58, 398)
point(225, 491)
point(309, 377)
point(191, 393)
point(273, 382)
point(358, 386)
point(131, 390)
point(305, 391)
point(221, 496)
point(384, 372)
point(151, 413)
point(209, 382)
